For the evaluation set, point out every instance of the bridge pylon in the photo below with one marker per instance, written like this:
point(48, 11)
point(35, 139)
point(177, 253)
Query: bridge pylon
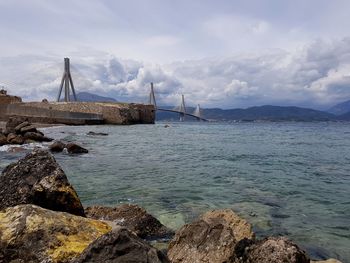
point(182, 108)
point(198, 112)
point(152, 97)
point(67, 81)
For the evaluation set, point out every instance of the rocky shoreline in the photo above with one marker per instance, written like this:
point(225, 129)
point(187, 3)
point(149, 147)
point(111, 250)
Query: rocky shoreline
point(42, 220)
point(19, 131)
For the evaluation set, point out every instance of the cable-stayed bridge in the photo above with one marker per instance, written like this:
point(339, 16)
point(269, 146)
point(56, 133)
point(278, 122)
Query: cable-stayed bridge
point(181, 109)
point(67, 88)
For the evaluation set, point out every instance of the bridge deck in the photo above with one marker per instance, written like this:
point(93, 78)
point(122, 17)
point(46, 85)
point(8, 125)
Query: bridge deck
point(185, 113)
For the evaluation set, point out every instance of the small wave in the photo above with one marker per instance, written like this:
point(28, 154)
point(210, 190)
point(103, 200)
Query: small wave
point(30, 146)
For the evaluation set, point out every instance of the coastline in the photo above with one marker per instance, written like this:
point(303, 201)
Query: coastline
point(38, 125)
point(117, 134)
point(120, 232)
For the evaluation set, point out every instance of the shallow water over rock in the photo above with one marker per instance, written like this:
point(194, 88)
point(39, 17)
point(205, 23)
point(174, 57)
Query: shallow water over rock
point(285, 178)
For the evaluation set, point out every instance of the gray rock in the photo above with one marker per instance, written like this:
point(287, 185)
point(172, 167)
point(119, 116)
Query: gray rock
point(57, 146)
point(97, 133)
point(75, 148)
point(38, 179)
point(30, 128)
point(3, 139)
point(213, 238)
point(133, 217)
point(120, 246)
point(20, 126)
point(17, 140)
point(275, 249)
point(38, 137)
point(12, 123)
point(10, 137)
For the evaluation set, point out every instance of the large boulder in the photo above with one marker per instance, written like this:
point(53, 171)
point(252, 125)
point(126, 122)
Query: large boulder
point(3, 139)
point(75, 148)
point(240, 227)
point(17, 140)
point(11, 136)
point(57, 146)
point(120, 246)
point(12, 123)
point(275, 249)
point(133, 217)
point(38, 179)
point(29, 233)
point(213, 238)
point(28, 128)
point(20, 126)
point(36, 136)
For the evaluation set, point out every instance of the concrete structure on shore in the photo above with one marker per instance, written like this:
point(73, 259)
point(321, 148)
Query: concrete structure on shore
point(76, 113)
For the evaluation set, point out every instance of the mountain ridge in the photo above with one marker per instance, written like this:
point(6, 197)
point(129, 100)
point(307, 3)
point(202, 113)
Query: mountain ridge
point(340, 108)
point(91, 97)
point(259, 113)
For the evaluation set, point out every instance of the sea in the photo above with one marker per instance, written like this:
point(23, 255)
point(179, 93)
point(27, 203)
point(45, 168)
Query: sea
point(286, 178)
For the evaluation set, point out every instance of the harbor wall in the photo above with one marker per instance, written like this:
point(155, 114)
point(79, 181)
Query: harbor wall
point(80, 113)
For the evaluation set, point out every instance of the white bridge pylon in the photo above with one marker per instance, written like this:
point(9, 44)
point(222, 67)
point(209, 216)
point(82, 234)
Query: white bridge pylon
point(180, 109)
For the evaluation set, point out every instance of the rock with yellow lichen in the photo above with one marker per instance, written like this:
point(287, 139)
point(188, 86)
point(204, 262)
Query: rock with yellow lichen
point(38, 179)
point(29, 233)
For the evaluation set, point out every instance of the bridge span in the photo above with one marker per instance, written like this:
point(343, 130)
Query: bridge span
point(181, 110)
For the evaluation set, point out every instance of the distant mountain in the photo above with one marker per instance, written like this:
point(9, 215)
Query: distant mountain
point(87, 96)
point(340, 108)
point(91, 97)
point(262, 113)
point(344, 117)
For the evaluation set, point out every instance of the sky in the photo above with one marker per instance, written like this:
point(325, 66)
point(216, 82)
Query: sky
point(221, 53)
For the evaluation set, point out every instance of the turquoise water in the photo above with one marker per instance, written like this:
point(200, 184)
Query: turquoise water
point(289, 179)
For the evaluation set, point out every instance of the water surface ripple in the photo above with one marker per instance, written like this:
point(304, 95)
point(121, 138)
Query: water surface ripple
point(288, 179)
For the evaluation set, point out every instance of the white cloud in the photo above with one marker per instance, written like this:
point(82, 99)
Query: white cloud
point(315, 76)
point(162, 41)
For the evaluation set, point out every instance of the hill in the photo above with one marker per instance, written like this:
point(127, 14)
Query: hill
point(261, 113)
point(87, 96)
point(344, 117)
point(340, 108)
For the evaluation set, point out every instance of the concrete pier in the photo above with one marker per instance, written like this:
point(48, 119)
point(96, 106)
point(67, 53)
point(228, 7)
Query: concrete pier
point(77, 113)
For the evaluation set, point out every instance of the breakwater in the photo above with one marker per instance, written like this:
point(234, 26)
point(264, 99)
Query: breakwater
point(80, 113)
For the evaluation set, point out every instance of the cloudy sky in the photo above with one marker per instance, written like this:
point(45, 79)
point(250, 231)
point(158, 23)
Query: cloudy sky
point(221, 53)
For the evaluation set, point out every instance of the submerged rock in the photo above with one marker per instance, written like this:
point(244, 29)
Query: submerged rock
point(277, 250)
point(38, 179)
point(212, 238)
point(133, 217)
point(97, 133)
point(118, 246)
point(57, 146)
point(75, 148)
point(15, 149)
point(29, 233)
